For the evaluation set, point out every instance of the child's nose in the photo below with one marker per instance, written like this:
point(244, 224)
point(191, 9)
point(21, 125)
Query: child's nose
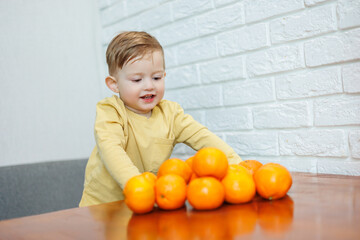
point(149, 85)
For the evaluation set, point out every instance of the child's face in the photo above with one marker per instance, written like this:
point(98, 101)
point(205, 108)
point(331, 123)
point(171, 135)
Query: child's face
point(141, 83)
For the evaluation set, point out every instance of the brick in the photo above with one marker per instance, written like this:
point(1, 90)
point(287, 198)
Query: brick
point(354, 140)
point(112, 30)
point(302, 25)
point(108, 33)
point(292, 163)
point(326, 166)
point(243, 39)
point(256, 10)
point(274, 60)
point(222, 69)
point(155, 17)
point(196, 97)
point(287, 115)
point(103, 54)
point(113, 13)
point(238, 93)
point(309, 83)
point(105, 3)
point(170, 54)
point(197, 50)
point(322, 143)
point(197, 115)
point(187, 8)
point(336, 48)
point(188, 154)
point(349, 13)
point(102, 3)
point(337, 111)
point(134, 7)
point(219, 3)
point(228, 119)
point(351, 78)
point(180, 150)
point(259, 144)
point(221, 19)
point(182, 77)
point(177, 32)
point(314, 2)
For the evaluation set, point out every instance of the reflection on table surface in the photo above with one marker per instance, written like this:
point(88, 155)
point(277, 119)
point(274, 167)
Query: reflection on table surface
point(316, 207)
point(227, 222)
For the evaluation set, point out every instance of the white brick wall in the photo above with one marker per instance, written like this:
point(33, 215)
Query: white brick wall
point(303, 24)
point(279, 80)
point(310, 83)
point(334, 48)
point(324, 143)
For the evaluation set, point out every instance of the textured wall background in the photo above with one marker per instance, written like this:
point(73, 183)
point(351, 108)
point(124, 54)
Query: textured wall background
point(279, 80)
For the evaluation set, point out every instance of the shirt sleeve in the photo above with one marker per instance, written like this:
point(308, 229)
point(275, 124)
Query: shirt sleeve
point(111, 142)
point(197, 136)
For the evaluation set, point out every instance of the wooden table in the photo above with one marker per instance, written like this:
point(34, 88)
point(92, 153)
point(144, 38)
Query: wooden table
point(316, 207)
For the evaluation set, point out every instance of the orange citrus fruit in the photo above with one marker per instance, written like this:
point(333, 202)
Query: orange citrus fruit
point(272, 181)
point(253, 165)
point(150, 176)
point(210, 162)
point(238, 168)
point(170, 191)
point(205, 193)
point(189, 161)
point(193, 176)
point(239, 185)
point(139, 194)
point(175, 166)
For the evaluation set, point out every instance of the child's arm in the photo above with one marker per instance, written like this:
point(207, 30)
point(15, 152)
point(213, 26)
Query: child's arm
point(197, 136)
point(111, 142)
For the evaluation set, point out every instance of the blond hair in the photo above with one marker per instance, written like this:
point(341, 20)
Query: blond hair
point(129, 45)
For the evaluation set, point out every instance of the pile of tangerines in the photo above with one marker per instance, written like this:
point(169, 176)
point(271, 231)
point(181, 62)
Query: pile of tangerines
point(205, 180)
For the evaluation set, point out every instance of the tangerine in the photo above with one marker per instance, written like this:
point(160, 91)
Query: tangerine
point(175, 166)
point(238, 168)
point(210, 162)
point(239, 185)
point(253, 165)
point(189, 161)
point(193, 176)
point(139, 194)
point(150, 176)
point(170, 191)
point(272, 181)
point(205, 193)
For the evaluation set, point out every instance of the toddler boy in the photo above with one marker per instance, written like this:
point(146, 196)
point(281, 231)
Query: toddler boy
point(137, 130)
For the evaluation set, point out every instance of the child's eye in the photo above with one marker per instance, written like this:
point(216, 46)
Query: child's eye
point(136, 80)
point(157, 78)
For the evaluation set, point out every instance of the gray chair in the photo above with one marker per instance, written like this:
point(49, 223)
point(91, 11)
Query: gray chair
point(39, 188)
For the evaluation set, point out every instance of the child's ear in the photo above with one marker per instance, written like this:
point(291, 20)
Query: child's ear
point(111, 83)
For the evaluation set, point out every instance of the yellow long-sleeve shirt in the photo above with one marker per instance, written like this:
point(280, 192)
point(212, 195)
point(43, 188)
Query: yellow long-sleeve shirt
point(128, 144)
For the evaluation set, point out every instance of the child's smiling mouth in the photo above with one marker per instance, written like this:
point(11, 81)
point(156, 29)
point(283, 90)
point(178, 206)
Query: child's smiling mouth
point(148, 97)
